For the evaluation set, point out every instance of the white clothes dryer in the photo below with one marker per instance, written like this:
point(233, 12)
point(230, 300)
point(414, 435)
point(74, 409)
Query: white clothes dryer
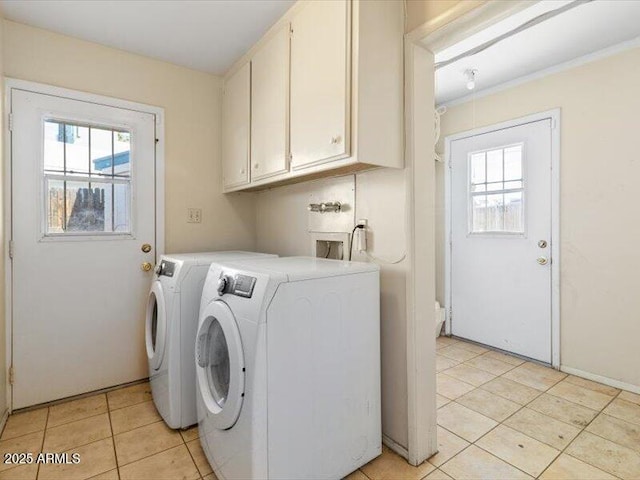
point(288, 368)
point(171, 324)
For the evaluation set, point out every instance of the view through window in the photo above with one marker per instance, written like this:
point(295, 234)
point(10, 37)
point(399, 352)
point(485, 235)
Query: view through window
point(87, 175)
point(496, 190)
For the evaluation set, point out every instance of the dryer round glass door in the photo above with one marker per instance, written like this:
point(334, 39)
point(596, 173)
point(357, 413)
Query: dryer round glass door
point(220, 364)
point(156, 326)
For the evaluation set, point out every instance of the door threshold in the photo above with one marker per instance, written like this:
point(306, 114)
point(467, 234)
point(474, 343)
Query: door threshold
point(78, 397)
point(505, 352)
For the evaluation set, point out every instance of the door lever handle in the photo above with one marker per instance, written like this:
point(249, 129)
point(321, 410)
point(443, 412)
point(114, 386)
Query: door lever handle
point(542, 260)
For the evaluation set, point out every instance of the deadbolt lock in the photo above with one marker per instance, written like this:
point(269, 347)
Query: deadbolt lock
point(146, 267)
point(542, 244)
point(146, 248)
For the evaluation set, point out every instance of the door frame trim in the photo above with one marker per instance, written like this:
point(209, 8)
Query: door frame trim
point(11, 84)
point(554, 116)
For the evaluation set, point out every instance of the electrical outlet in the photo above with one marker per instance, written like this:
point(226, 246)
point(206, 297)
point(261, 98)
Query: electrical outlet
point(194, 215)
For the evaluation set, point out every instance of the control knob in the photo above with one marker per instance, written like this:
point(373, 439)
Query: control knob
point(223, 283)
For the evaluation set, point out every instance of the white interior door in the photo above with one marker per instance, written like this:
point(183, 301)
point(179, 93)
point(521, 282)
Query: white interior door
point(83, 205)
point(501, 239)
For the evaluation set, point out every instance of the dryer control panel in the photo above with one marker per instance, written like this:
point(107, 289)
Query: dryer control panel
point(243, 285)
point(166, 268)
point(240, 285)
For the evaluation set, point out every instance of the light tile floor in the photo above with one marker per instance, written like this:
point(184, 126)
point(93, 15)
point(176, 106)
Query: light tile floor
point(119, 435)
point(499, 417)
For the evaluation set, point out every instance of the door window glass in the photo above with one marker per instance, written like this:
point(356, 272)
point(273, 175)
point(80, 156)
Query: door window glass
point(219, 369)
point(496, 190)
point(87, 179)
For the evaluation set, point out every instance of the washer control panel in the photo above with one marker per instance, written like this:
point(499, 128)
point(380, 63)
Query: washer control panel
point(240, 285)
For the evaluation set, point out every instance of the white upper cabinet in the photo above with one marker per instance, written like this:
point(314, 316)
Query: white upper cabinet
point(270, 107)
point(236, 114)
point(325, 93)
point(320, 83)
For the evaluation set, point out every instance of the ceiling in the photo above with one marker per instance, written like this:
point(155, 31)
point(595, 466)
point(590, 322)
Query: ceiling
point(580, 31)
point(206, 35)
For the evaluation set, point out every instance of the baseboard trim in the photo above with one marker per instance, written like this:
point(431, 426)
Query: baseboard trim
point(3, 420)
point(396, 447)
point(600, 379)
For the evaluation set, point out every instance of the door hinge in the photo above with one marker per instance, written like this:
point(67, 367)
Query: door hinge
point(10, 122)
point(450, 313)
point(11, 375)
point(11, 249)
point(291, 32)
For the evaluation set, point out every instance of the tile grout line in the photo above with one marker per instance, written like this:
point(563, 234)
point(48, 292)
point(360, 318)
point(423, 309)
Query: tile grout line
point(76, 420)
point(44, 436)
point(584, 429)
point(151, 454)
point(191, 454)
point(367, 476)
point(130, 405)
point(75, 400)
point(113, 437)
point(485, 451)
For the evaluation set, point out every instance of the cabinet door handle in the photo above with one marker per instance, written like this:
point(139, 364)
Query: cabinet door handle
point(336, 140)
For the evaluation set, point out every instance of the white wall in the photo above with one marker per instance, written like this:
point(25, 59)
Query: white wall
point(599, 206)
point(191, 101)
point(282, 221)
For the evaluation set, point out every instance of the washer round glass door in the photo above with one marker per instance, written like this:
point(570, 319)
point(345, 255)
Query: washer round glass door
point(156, 326)
point(220, 364)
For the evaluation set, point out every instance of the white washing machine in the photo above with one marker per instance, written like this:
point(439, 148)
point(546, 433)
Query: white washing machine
point(171, 325)
point(288, 368)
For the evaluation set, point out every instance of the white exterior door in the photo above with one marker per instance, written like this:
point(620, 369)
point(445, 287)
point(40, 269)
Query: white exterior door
point(501, 239)
point(82, 206)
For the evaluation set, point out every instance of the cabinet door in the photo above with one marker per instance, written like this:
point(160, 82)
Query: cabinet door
point(320, 79)
point(270, 107)
point(236, 114)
